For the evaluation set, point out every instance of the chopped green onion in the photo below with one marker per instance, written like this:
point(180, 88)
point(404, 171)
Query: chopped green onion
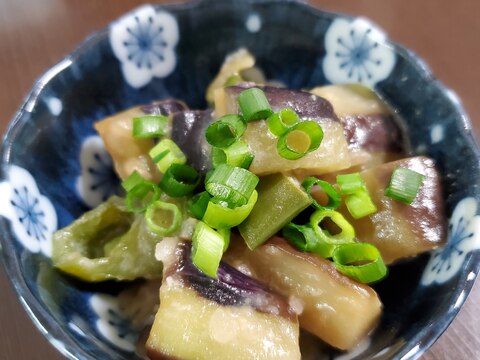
point(305, 239)
point(254, 104)
point(346, 232)
point(225, 131)
point(149, 126)
point(218, 215)
point(225, 234)
point(218, 157)
point(166, 153)
point(207, 248)
point(132, 180)
point(300, 140)
point(163, 218)
point(179, 180)
point(142, 195)
point(404, 185)
point(231, 184)
point(334, 198)
point(233, 79)
point(360, 261)
point(360, 204)
point(350, 183)
point(278, 123)
point(238, 154)
point(197, 205)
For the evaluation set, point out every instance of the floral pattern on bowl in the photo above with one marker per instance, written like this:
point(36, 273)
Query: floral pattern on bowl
point(31, 214)
point(121, 67)
point(98, 180)
point(144, 42)
point(464, 237)
point(357, 51)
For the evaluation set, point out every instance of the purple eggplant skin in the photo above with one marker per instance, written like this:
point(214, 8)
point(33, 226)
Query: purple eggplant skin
point(230, 288)
point(164, 107)
point(188, 132)
point(373, 133)
point(305, 104)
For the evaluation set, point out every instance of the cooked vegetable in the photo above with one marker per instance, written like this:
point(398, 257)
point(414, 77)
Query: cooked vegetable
point(188, 132)
point(344, 232)
point(238, 154)
point(331, 155)
point(279, 122)
point(373, 135)
point(179, 180)
point(218, 215)
point(141, 195)
point(330, 305)
point(280, 199)
point(404, 185)
point(253, 104)
point(396, 229)
point(207, 248)
point(166, 153)
point(332, 195)
point(360, 261)
point(232, 66)
point(149, 126)
point(300, 140)
point(107, 243)
point(232, 185)
point(163, 218)
point(232, 317)
point(129, 153)
point(225, 131)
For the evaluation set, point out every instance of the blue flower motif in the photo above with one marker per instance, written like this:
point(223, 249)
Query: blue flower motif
point(29, 212)
point(111, 324)
point(356, 53)
point(98, 180)
point(32, 215)
point(144, 42)
point(464, 237)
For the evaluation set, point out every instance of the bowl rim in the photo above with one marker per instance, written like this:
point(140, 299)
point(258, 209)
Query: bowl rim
point(46, 322)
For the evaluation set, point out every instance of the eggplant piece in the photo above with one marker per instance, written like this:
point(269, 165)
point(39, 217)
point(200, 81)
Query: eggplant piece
point(129, 153)
point(332, 155)
point(372, 134)
point(231, 317)
point(330, 305)
point(399, 230)
point(188, 132)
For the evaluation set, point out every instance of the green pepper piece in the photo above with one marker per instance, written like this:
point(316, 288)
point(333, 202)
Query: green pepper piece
point(107, 243)
point(280, 199)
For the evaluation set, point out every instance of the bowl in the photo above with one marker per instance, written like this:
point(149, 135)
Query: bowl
point(54, 167)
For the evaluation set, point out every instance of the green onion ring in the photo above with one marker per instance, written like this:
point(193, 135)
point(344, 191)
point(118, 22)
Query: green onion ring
point(346, 234)
point(334, 198)
point(309, 128)
point(157, 228)
point(371, 267)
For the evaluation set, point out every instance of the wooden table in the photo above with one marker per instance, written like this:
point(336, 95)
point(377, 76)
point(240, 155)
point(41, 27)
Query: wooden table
point(35, 34)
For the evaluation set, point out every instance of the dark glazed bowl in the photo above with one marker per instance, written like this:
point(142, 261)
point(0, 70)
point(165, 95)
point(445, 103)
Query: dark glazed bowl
point(54, 166)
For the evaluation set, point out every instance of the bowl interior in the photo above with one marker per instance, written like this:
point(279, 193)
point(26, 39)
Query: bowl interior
point(291, 42)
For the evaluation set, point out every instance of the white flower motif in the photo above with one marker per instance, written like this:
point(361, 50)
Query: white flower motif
point(98, 180)
point(144, 42)
point(111, 324)
point(357, 52)
point(464, 237)
point(32, 215)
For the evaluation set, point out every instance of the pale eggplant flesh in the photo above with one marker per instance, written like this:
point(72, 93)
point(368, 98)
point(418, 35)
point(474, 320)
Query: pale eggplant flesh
point(230, 317)
point(400, 230)
point(330, 305)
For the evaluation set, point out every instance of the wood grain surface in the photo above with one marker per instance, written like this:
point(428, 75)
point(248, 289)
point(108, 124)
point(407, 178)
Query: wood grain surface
point(34, 35)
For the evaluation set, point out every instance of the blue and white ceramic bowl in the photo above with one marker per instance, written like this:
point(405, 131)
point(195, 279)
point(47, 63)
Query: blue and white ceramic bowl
point(54, 167)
